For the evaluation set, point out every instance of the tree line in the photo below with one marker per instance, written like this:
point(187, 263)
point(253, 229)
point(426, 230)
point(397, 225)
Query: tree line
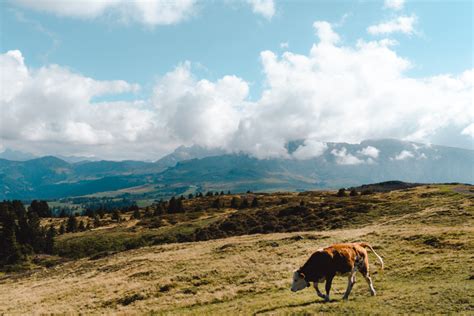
point(21, 233)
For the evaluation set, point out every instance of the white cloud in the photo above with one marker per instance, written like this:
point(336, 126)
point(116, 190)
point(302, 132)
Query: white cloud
point(149, 12)
point(333, 93)
point(468, 130)
point(345, 158)
point(325, 32)
point(394, 4)
point(266, 8)
point(284, 45)
point(52, 107)
point(422, 156)
point(310, 149)
point(370, 151)
point(199, 111)
point(341, 93)
point(403, 155)
point(402, 24)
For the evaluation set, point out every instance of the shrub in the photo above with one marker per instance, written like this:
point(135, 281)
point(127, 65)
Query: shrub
point(127, 300)
point(341, 192)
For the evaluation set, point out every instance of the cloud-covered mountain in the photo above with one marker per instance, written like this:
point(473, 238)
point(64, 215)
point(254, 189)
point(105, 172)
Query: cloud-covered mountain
point(16, 155)
point(336, 165)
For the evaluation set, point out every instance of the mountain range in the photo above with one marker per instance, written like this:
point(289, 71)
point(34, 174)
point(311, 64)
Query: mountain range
point(191, 169)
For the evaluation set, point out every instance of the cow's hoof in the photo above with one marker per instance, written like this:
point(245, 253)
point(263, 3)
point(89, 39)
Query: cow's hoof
point(345, 298)
point(326, 299)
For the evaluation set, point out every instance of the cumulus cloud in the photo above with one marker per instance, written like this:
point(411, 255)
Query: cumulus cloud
point(402, 24)
point(266, 8)
point(344, 93)
point(333, 93)
point(403, 155)
point(345, 158)
point(468, 130)
point(199, 111)
point(370, 151)
point(394, 4)
point(150, 12)
point(310, 149)
point(325, 32)
point(53, 105)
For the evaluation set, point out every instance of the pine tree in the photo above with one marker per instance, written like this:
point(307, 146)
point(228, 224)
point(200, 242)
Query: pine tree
point(244, 204)
point(148, 213)
point(234, 203)
point(13, 252)
point(81, 227)
point(172, 205)
point(180, 205)
point(37, 234)
point(41, 208)
point(49, 244)
point(23, 235)
point(133, 208)
point(62, 229)
point(10, 249)
point(216, 203)
point(96, 221)
point(90, 213)
point(71, 225)
point(159, 210)
point(136, 214)
point(116, 216)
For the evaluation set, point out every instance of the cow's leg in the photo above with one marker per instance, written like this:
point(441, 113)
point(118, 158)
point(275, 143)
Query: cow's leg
point(321, 295)
point(369, 282)
point(350, 284)
point(364, 270)
point(328, 286)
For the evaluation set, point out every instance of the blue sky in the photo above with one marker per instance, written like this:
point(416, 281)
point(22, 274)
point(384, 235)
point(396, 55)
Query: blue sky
point(226, 38)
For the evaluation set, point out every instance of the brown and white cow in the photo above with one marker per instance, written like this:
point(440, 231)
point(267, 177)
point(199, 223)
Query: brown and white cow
point(334, 260)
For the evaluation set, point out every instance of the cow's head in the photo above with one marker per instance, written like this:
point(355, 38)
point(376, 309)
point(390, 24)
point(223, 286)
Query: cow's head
point(299, 281)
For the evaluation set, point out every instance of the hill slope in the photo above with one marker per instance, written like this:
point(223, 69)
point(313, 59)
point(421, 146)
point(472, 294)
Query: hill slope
point(427, 252)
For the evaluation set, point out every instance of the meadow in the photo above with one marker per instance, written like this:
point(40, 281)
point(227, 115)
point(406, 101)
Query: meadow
point(425, 235)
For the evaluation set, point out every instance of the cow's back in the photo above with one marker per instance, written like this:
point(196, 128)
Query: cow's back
point(345, 256)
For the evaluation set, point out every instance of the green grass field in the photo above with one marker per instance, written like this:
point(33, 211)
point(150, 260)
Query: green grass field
point(425, 235)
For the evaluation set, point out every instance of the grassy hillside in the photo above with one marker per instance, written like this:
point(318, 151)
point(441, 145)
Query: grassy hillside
point(425, 235)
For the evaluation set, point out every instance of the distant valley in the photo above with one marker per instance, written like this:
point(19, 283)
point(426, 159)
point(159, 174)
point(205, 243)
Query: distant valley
point(193, 169)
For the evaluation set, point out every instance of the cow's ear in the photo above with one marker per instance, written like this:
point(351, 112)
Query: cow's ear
point(301, 274)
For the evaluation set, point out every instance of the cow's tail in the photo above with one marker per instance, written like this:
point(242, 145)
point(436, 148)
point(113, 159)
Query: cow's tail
point(366, 245)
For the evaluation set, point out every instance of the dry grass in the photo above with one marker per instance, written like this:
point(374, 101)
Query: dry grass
point(428, 254)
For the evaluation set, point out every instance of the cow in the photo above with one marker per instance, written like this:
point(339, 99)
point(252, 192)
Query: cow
point(338, 259)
